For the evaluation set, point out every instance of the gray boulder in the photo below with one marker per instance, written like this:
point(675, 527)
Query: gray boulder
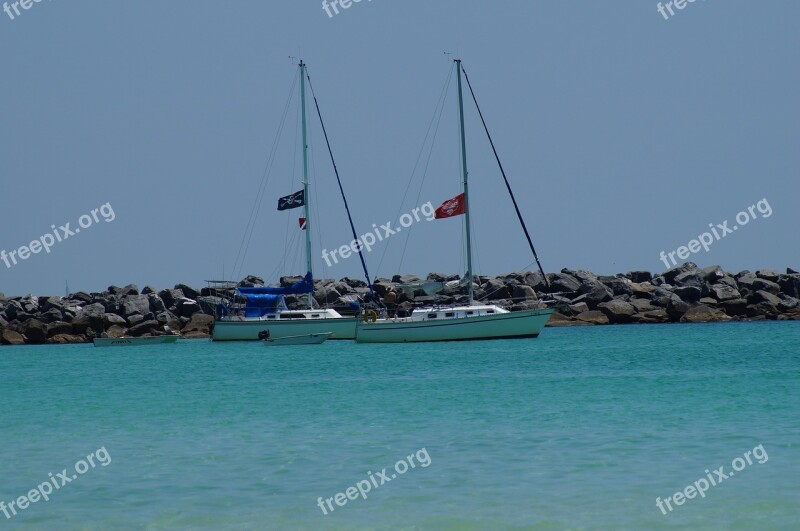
point(58, 328)
point(11, 337)
point(188, 307)
point(764, 296)
point(354, 282)
point(188, 292)
point(643, 290)
point(618, 286)
point(762, 310)
point(651, 317)
point(768, 274)
point(788, 303)
point(250, 281)
point(81, 297)
point(199, 326)
point(642, 305)
point(692, 278)
point(496, 290)
point(761, 284)
point(132, 304)
point(617, 311)
point(34, 331)
point(111, 319)
point(593, 293)
point(523, 292)
point(703, 314)
point(790, 284)
point(145, 327)
point(729, 281)
point(669, 276)
point(51, 303)
point(406, 279)
point(134, 319)
point(582, 275)
point(328, 294)
point(639, 276)
point(676, 308)
point(734, 307)
point(576, 309)
point(170, 297)
point(536, 281)
point(593, 317)
point(723, 292)
point(745, 280)
point(712, 274)
point(156, 305)
point(130, 289)
point(689, 293)
point(50, 316)
point(564, 283)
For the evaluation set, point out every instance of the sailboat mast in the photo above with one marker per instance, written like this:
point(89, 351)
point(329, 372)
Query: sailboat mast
point(466, 184)
point(305, 176)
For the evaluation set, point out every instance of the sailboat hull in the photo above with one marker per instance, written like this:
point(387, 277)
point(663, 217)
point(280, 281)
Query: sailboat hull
point(234, 330)
point(528, 323)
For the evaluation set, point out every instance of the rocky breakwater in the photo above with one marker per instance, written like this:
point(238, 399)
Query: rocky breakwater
point(686, 294)
point(117, 312)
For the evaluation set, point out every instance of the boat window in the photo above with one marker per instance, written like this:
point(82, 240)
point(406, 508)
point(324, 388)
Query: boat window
point(315, 315)
point(470, 313)
point(450, 314)
point(270, 317)
point(489, 311)
point(432, 316)
point(293, 316)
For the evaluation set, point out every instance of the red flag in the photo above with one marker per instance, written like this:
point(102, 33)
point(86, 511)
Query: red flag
point(302, 223)
point(452, 207)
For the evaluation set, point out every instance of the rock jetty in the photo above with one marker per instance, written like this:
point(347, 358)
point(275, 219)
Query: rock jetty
point(685, 294)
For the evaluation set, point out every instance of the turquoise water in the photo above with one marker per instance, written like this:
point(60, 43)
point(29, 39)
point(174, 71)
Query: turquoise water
point(581, 428)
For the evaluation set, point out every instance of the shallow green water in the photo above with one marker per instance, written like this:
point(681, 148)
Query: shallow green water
point(581, 428)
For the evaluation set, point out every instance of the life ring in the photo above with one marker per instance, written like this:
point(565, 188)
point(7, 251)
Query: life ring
point(370, 315)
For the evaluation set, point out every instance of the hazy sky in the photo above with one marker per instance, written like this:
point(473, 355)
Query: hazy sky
point(624, 134)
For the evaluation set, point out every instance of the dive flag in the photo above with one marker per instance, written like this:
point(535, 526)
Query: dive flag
point(292, 201)
point(302, 223)
point(452, 207)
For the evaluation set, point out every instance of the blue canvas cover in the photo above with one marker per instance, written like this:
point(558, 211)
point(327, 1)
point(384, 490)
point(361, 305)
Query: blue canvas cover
point(261, 305)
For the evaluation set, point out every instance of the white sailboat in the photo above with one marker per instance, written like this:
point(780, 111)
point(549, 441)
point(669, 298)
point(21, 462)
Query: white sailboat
point(264, 307)
point(470, 321)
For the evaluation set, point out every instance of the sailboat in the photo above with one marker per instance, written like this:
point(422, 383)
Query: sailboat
point(264, 307)
point(471, 321)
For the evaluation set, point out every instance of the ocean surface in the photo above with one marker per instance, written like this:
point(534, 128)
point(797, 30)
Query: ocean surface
point(583, 428)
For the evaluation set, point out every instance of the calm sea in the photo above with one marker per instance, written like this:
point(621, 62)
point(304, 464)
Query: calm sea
point(582, 428)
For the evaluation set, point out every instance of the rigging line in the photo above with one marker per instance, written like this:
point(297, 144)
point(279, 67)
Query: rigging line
point(315, 227)
point(275, 275)
point(505, 178)
point(486, 295)
point(341, 188)
point(293, 184)
point(289, 237)
point(244, 245)
point(439, 109)
point(427, 167)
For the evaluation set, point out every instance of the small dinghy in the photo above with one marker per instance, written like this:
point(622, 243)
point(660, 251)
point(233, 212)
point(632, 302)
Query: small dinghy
point(133, 341)
point(307, 339)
